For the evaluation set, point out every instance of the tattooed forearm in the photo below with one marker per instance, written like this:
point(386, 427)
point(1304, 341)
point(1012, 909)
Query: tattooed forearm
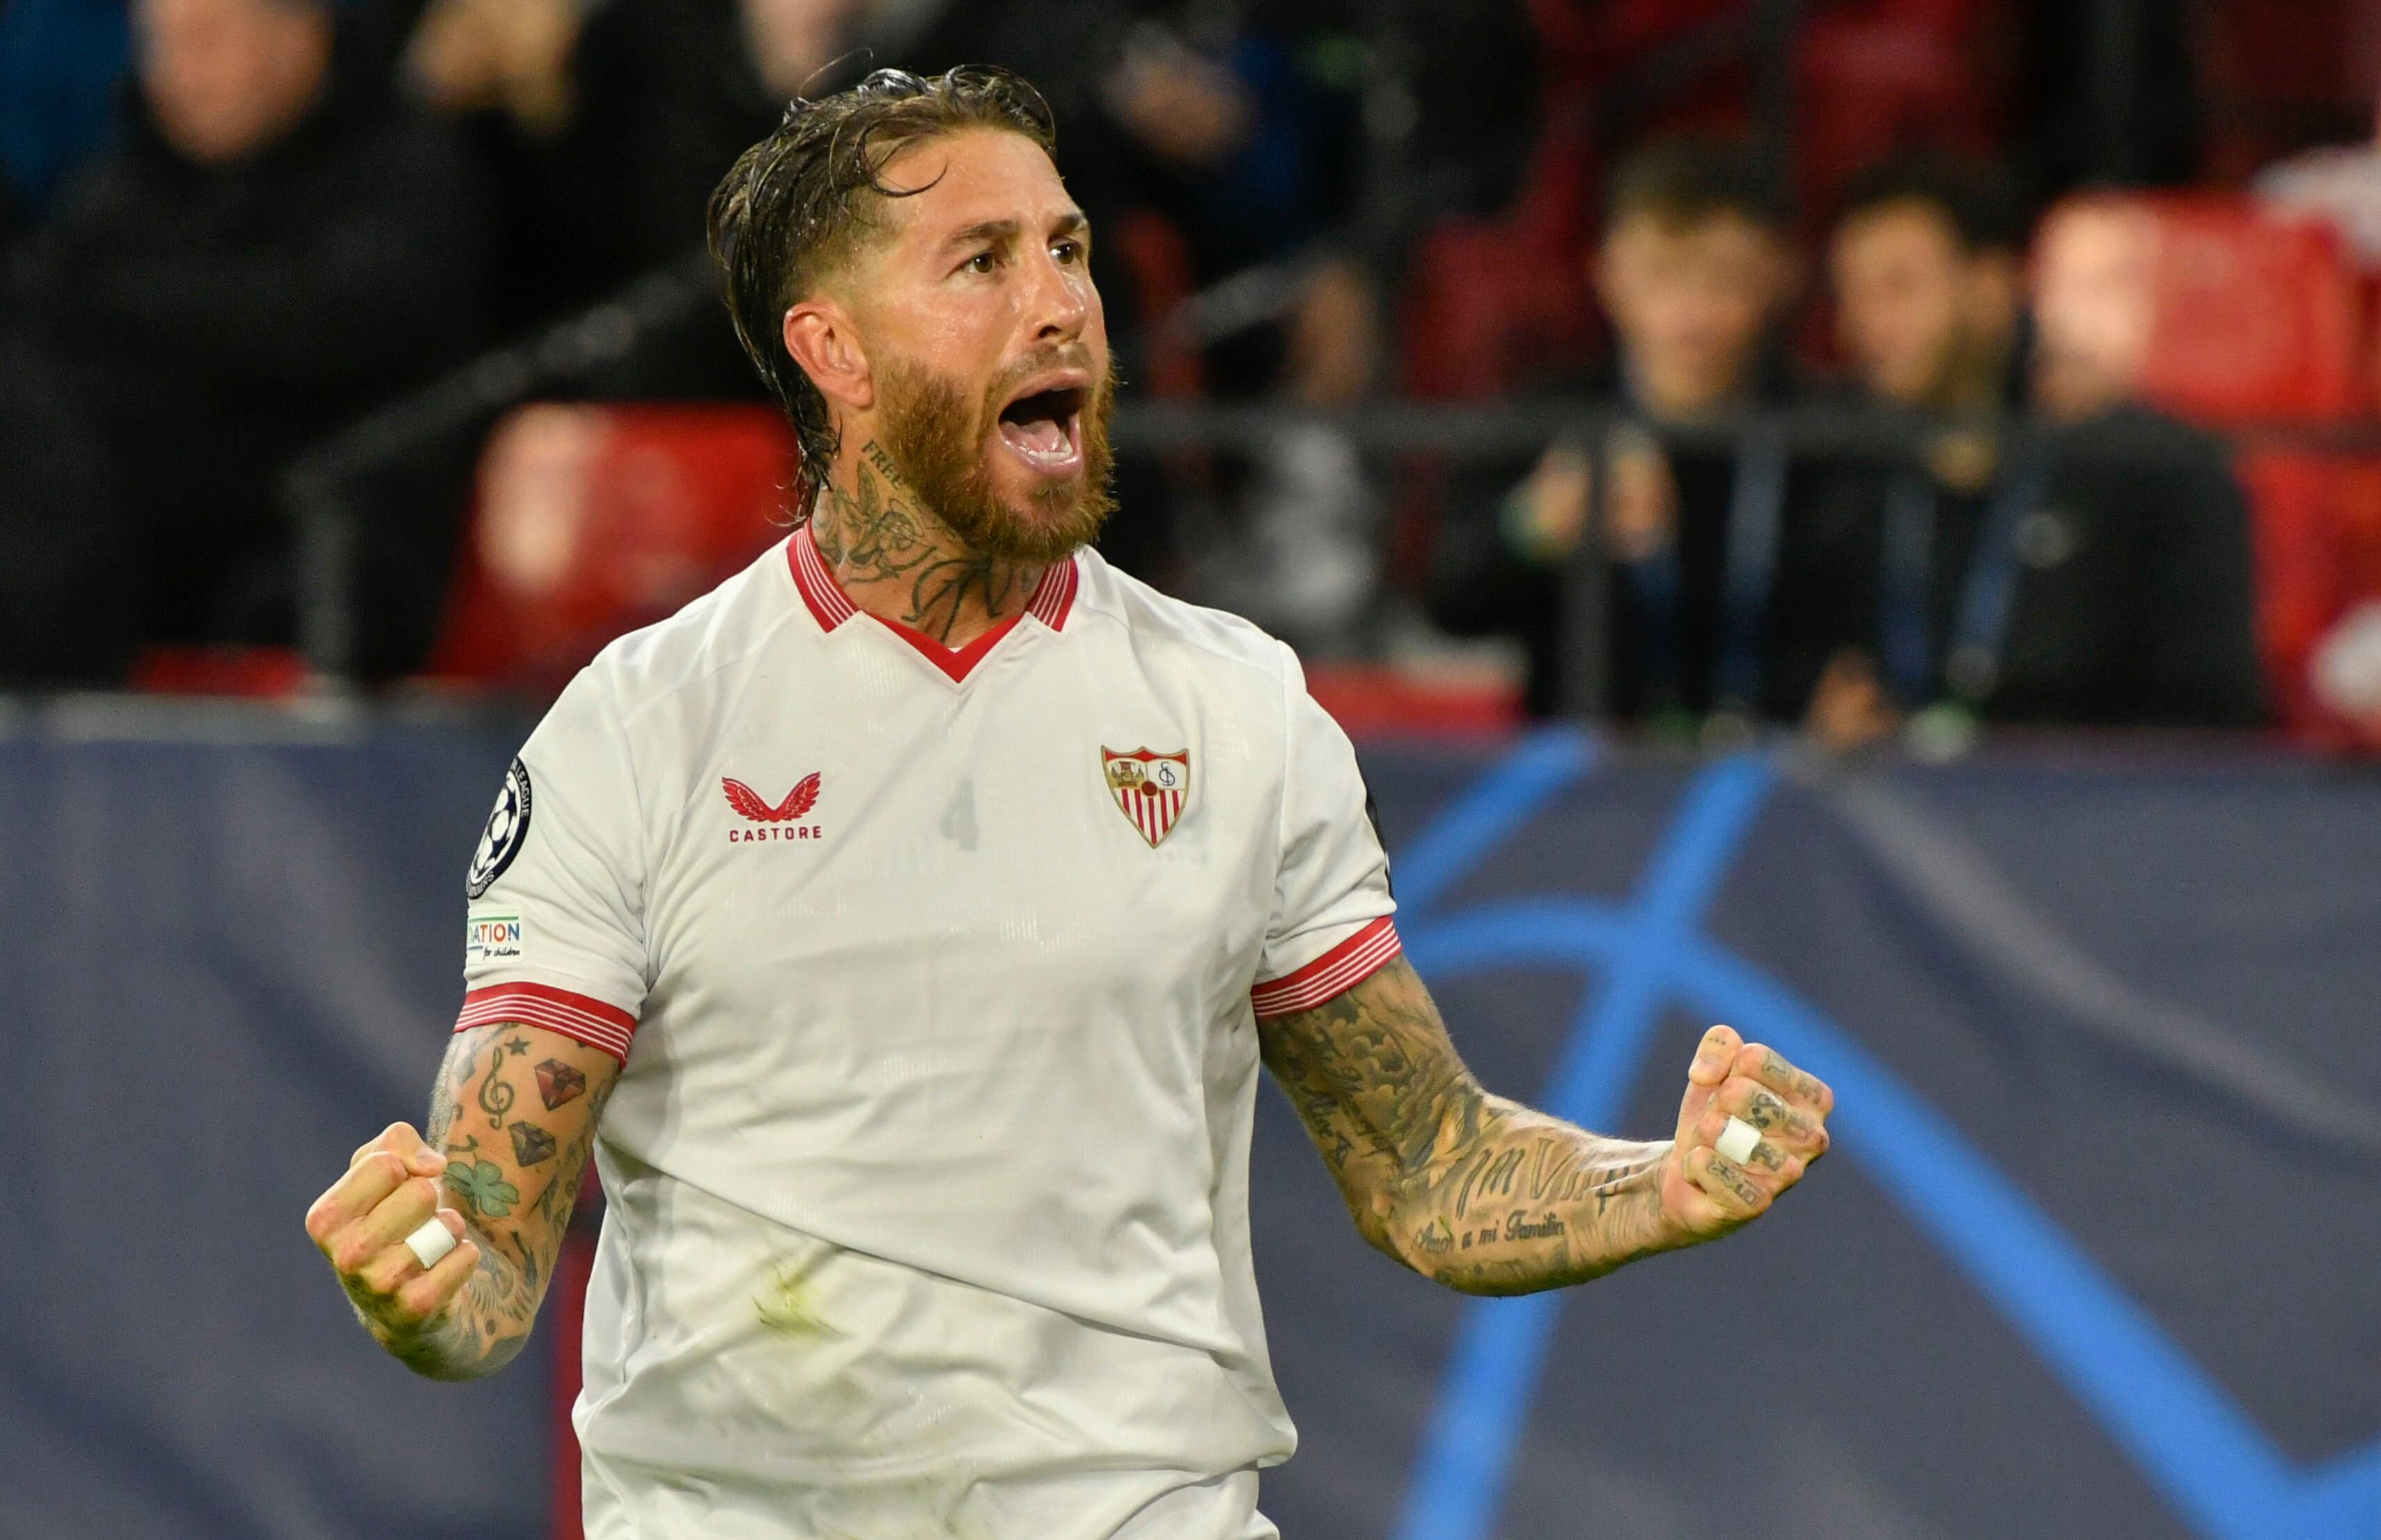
point(1470, 1189)
point(512, 1181)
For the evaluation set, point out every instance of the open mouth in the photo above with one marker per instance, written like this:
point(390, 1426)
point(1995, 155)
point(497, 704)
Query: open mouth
point(1045, 429)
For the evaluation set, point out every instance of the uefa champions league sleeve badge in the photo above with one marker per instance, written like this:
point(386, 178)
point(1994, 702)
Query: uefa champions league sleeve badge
point(507, 828)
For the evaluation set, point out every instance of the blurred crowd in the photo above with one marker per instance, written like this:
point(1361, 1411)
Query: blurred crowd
point(2093, 569)
point(230, 228)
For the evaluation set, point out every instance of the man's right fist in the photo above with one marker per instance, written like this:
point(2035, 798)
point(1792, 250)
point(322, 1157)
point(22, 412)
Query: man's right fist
point(391, 1188)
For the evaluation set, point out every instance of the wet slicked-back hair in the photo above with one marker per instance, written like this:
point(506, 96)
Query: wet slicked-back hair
point(803, 199)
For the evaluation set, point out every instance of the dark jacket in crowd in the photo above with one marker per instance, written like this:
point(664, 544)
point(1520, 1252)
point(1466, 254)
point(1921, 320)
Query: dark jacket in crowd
point(1658, 657)
point(208, 323)
point(66, 615)
point(2132, 601)
point(665, 98)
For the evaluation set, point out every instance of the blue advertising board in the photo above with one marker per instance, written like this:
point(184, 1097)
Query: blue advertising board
point(2097, 1253)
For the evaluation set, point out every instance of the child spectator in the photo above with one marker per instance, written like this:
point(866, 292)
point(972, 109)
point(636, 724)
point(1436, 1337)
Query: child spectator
point(1706, 549)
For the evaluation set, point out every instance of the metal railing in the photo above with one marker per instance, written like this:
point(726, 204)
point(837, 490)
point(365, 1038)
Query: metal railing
point(319, 488)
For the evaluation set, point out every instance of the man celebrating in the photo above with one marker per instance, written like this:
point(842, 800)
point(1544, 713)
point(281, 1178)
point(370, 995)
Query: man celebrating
point(901, 927)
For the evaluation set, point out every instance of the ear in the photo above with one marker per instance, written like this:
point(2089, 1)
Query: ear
point(820, 336)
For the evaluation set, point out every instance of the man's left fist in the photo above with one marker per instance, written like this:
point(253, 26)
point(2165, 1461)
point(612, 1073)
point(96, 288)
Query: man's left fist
point(1706, 1194)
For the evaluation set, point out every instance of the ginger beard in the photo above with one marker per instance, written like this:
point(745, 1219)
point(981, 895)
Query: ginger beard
point(944, 450)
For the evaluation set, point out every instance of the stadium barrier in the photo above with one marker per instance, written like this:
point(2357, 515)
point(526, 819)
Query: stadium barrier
point(2095, 1253)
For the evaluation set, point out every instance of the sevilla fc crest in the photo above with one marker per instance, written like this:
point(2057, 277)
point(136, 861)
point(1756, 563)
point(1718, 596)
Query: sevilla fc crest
point(1150, 787)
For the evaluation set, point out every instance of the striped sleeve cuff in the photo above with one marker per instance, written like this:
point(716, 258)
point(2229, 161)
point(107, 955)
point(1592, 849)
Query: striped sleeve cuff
point(575, 1016)
point(1332, 975)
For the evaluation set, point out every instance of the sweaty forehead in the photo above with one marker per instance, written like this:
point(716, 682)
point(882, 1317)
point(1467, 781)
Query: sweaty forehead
point(971, 178)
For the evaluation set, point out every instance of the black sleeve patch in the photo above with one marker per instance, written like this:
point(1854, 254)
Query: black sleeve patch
point(507, 829)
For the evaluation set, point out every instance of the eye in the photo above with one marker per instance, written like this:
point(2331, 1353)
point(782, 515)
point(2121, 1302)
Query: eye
point(1067, 251)
point(982, 261)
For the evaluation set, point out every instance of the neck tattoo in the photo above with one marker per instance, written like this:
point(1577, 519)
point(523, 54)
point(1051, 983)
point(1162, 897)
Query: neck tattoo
point(895, 559)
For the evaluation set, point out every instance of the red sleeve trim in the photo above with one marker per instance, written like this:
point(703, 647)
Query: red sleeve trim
point(1332, 975)
point(577, 1017)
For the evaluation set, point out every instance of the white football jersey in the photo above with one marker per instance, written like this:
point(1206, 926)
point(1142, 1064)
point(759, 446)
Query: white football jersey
point(935, 976)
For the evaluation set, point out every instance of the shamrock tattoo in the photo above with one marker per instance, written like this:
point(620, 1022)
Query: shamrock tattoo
point(482, 1184)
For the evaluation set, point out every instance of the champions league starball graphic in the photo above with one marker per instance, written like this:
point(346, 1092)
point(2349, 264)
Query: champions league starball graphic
point(507, 827)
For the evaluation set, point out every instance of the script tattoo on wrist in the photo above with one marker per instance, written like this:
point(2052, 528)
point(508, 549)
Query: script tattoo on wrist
point(1465, 1187)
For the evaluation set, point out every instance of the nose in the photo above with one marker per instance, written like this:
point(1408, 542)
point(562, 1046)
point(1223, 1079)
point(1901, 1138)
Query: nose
point(1062, 300)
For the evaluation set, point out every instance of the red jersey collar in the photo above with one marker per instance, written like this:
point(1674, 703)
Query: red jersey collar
point(1054, 598)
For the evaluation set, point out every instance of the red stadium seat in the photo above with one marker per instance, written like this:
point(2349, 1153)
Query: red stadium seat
point(594, 520)
point(2319, 548)
point(1491, 305)
point(2297, 504)
point(1157, 259)
point(250, 672)
point(2257, 314)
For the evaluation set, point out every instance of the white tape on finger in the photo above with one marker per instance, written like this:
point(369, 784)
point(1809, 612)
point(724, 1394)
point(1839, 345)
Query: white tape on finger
point(1736, 1140)
point(432, 1240)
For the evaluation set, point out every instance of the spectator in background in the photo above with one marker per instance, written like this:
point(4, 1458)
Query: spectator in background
point(605, 127)
point(2137, 603)
point(1927, 261)
point(2105, 578)
point(1709, 577)
point(273, 246)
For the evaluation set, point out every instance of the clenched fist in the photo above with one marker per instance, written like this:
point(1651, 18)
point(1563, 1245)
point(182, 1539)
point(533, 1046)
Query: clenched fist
point(1705, 1194)
point(391, 1187)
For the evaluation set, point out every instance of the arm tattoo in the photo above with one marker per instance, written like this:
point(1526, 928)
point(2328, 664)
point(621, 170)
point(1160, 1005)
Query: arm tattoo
point(1469, 1189)
point(515, 1208)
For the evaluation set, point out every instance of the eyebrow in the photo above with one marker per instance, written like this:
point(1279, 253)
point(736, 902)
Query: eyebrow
point(1001, 231)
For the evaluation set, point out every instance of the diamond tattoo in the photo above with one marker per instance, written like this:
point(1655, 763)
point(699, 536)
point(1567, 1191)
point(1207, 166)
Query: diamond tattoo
point(557, 1082)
